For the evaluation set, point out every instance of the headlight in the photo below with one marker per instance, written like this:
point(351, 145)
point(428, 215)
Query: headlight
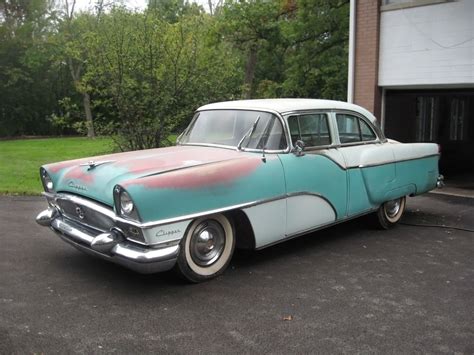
point(46, 180)
point(126, 203)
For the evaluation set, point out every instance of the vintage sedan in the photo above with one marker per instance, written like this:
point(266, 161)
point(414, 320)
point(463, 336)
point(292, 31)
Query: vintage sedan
point(245, 174)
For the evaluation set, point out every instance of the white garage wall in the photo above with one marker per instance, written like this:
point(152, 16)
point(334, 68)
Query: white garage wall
point(428, 46)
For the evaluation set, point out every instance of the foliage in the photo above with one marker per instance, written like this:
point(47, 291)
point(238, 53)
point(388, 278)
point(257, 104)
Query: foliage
point(292, 48)
point(30, 83)
point(152, 74)
point(138, 76)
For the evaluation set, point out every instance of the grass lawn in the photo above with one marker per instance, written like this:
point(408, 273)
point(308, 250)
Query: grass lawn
point(21, 159)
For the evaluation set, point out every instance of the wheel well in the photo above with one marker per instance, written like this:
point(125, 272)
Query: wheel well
point(244, 235)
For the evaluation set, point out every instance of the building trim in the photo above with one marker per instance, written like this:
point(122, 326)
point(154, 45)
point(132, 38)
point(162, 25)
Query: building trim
point(429, 86)
point(350, 72)
point(412, 3)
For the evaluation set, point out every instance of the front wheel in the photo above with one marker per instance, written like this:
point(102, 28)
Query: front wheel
point(207, 248)
point(391, 212)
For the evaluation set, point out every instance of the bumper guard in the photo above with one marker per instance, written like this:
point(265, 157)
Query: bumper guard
point(111, 246)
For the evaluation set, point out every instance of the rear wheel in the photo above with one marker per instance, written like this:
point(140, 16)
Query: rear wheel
point(207, 248)
point(391, 212)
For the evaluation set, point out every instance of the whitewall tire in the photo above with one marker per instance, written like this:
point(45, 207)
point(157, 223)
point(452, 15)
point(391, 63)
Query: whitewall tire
point(391, 212)
point(207, 248)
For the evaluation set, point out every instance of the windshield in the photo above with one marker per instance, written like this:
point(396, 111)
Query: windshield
point(254, 129)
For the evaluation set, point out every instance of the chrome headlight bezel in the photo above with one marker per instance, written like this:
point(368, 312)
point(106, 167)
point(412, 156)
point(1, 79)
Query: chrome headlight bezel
point(124, 205)
point(46, 180)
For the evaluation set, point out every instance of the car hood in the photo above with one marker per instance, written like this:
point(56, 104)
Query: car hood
point(96, 177)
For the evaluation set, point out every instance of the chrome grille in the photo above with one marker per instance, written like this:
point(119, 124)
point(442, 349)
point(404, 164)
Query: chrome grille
point(84, 215)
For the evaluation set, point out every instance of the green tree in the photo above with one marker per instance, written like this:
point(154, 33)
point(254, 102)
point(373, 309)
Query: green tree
point(290, 48)
point(317, 50)
point(253, 27)
point(173, 10)
point(29, 82)
point(151, 74)
point(72, 50)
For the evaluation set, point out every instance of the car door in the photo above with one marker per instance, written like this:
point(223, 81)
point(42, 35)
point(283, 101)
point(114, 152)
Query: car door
point(316, 180)
point(369, 162)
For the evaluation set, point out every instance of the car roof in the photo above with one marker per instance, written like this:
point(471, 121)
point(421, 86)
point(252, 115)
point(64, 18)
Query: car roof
point(283, 106)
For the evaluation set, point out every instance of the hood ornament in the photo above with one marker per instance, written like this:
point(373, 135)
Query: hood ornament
point(92, 164)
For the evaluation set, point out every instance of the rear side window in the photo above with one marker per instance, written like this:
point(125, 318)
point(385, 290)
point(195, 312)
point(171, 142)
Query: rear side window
point(353, 129)
point(312, 129)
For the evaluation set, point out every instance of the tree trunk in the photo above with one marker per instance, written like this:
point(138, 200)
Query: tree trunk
point(250, 71)
point(87, 109)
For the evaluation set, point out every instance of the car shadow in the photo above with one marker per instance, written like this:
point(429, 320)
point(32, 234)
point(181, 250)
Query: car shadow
point(304, 244)
point(93, 270)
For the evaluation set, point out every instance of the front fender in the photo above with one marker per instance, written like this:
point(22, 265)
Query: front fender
point(206, 188)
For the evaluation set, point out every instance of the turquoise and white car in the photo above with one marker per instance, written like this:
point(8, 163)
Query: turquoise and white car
point(245, 174)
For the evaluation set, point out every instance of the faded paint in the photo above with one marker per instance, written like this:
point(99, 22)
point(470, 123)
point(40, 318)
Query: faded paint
point(80, 173)
point(201, 176)
point(183, 180)
point(133, 167)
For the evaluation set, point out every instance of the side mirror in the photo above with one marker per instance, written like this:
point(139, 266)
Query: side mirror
point(299, 148)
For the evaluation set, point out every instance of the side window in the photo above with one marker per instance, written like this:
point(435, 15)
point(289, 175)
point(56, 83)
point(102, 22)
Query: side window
point(366, 131)
point(268, 134)
point(348, 128)
point(312, 129)
point(353, 129)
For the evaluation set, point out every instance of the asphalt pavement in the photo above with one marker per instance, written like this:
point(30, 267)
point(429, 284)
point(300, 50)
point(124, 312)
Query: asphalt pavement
point(346, 289)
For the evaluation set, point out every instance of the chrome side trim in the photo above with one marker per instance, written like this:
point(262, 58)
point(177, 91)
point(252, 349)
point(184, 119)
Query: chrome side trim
point(315, 152)
point(230, 208)
point(152, 224)
point(111, 214)
point(394, 162)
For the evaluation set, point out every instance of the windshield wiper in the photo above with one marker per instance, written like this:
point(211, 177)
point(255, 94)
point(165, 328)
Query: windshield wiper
point(248, 134)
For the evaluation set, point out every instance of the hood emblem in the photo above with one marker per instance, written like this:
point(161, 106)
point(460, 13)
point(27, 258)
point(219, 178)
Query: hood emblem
point(73, 185)
point(92, 164)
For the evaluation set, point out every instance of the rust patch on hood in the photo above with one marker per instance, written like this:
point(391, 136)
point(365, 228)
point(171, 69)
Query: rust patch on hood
point(224, 172)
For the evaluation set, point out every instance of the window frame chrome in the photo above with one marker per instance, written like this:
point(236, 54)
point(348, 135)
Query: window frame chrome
point(335, 142)
point(379, 137)
point(312, 112)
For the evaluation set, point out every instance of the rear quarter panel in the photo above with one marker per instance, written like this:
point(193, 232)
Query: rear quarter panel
point(413, 171)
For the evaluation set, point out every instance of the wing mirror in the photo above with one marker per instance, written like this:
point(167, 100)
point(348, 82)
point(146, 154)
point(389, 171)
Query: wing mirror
point(299, 148)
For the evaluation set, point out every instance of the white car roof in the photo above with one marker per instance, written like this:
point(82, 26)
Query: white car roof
point(283, 106)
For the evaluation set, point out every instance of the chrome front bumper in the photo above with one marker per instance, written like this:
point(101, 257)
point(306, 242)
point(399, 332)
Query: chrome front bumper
point(110, 246)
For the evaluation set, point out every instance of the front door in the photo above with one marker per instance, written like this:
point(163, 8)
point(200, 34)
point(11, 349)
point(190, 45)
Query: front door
point(316, 182)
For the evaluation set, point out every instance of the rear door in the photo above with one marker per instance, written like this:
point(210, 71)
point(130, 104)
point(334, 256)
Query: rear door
point(369, 162)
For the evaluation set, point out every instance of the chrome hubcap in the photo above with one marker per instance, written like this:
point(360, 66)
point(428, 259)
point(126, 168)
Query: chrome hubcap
point(392, 208)
point(207, 243)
